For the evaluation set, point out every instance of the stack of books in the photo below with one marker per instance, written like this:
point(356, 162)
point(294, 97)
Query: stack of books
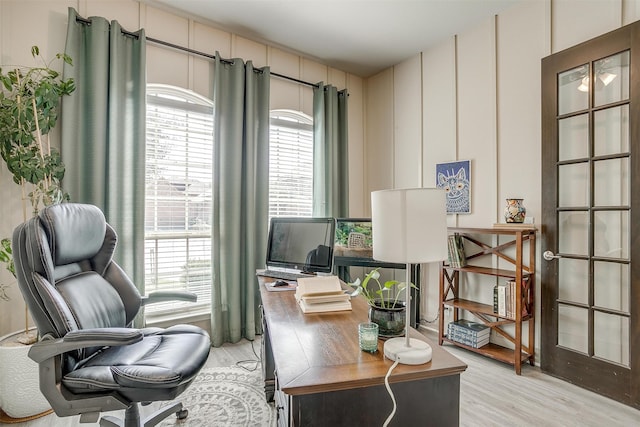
point(321, 294)
point(456, 256)
point(469, 333)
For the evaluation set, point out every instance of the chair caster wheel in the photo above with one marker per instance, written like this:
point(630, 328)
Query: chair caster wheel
point(182, 414)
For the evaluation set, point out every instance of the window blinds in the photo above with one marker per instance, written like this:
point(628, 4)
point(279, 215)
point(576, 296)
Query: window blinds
point(290, 164)
point(178, 196)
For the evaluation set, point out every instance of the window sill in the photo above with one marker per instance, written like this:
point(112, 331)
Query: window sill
point(168, 319)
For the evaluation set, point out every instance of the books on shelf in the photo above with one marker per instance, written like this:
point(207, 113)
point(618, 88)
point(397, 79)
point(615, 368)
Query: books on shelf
point(456, 256)
point(504, 299)
point(321, 294)
point(469, 333)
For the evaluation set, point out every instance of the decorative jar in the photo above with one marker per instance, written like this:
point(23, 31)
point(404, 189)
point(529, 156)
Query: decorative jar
point(514, 212)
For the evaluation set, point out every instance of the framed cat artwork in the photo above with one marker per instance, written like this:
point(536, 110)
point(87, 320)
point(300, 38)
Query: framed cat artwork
point(455, 178)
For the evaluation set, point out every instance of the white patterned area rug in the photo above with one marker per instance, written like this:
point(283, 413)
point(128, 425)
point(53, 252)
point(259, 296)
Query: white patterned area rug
point(225, 397)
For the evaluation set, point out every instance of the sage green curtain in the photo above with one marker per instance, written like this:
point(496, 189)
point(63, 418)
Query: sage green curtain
point(330, 152)
point(240, 197)
point(103, 130)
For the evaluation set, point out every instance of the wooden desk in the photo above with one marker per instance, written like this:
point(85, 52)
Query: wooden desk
point(320, 377)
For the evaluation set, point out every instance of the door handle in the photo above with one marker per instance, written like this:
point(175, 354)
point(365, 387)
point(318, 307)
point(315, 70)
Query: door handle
point(548, 255)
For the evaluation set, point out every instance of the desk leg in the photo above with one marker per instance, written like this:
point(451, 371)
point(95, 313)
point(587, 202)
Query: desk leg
point(268, 365)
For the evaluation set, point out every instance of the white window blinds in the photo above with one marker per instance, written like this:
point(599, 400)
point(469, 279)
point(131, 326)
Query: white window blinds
point(290, 164)
point(178, 202)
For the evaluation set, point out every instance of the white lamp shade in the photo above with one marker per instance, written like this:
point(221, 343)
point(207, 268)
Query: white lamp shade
point(409, 226)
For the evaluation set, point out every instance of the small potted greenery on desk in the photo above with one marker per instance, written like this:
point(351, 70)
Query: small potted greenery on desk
point(385, 308)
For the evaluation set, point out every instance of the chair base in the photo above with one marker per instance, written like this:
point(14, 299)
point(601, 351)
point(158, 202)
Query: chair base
point(132, 416)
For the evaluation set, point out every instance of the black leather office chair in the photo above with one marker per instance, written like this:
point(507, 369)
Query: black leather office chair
point(90, 359)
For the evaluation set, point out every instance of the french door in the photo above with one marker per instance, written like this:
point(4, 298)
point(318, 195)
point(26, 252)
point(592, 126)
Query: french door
point(590, 314)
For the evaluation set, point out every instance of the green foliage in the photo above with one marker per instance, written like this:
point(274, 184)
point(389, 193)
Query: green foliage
point(385, 295)
point(6, 255)
point(6, 258)
point(344, 229)
point(29, 105)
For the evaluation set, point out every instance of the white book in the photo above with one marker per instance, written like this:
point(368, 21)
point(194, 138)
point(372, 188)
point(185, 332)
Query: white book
point(502, 299)
point(321, 294)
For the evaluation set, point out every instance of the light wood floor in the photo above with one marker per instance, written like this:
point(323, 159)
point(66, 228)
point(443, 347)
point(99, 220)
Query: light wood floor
point(491, 395)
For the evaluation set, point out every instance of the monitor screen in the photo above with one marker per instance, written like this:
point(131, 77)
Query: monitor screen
point(302, 244)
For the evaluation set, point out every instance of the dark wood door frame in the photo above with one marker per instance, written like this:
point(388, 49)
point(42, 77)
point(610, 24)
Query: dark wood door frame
point(617, 382)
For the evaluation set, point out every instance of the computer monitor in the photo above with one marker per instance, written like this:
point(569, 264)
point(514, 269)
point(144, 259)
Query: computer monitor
point(301, 244)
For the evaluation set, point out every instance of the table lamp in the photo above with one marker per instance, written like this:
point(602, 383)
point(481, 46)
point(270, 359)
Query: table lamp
point(409, 226)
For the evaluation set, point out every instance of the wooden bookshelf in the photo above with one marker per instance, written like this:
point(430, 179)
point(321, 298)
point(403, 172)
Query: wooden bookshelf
point(517, 252)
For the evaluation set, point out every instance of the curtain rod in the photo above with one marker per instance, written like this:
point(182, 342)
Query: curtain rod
point(209, 56)
point(198, 53)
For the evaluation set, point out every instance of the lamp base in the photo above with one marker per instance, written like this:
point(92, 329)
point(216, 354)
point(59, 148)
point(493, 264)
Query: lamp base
point(417, 353)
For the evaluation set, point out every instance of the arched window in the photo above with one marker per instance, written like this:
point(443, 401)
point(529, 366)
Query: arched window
point(178, 203)
point(290, 164)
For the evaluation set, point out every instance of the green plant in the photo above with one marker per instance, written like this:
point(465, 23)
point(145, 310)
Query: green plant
point(29, 105)
point(7, 258)
point(383, 295)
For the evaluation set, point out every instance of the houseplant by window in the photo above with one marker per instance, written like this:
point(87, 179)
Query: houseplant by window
point(385, 308)
point(29, 105)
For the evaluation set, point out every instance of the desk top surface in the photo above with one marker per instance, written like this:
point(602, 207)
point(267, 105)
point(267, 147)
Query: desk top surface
point(319, 352)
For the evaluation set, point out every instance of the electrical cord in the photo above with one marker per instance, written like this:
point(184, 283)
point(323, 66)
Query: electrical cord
point(423, 320)
point(393, 398)
point(252, 363)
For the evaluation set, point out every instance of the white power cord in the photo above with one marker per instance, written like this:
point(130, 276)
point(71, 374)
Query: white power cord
point(393, 399)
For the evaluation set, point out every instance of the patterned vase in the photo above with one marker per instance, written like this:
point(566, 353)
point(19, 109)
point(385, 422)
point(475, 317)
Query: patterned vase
point(514, 212)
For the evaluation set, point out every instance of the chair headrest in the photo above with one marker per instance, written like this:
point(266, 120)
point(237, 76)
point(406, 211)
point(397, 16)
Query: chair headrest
point(76, 231)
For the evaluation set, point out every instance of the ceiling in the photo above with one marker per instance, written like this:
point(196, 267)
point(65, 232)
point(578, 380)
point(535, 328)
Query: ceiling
point(361, 37)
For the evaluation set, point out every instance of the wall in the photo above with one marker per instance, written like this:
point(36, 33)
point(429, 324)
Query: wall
point(480, 100)
point(24, 23)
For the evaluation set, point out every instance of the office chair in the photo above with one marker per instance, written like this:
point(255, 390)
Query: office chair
point(90, 359)
point(319, 256)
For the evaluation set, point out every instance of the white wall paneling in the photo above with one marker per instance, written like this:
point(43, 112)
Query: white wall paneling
point(577, 21)
point(477, 119)
point(439, 130)
point(630, 11)
point(379, 133)
point(359, 199)
point(407, 113)
point(520, 45)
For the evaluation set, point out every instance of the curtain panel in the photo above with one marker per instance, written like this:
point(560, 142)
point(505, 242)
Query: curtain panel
point(240, 197)
point(103, 130)
point(330, 152)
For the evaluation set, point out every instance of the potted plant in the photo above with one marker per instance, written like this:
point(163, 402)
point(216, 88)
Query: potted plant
point(29, 105)
point(385, 308)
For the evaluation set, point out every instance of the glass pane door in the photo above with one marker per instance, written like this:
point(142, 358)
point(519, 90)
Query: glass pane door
point(593, 209)
point(590, 215)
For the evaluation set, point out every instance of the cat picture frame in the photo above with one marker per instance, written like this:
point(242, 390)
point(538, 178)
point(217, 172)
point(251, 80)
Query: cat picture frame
point(455, 179)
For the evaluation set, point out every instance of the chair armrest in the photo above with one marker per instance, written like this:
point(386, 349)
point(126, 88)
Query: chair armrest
point(76, 340)
point(161, 296)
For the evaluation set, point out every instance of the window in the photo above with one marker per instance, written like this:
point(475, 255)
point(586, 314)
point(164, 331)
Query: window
point(178, 205)
point(290, 164)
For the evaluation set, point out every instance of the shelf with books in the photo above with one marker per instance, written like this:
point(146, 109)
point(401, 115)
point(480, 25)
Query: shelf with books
point(516, 251)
